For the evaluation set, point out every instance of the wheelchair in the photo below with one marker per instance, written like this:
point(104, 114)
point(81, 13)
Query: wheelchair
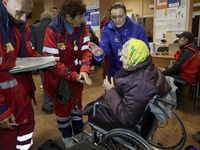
point(148, 134)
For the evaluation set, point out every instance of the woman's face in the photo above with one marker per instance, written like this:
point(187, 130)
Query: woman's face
point(123, 58)
point(118, 17)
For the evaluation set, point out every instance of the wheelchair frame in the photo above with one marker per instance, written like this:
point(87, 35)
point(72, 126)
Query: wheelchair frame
point(99, 135)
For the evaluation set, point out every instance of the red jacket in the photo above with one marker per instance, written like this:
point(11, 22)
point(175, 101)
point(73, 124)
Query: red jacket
point(191, 66)
point(16, 91)
point(60, 43)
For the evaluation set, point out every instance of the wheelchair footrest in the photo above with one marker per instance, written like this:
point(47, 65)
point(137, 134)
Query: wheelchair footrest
point(86, 145)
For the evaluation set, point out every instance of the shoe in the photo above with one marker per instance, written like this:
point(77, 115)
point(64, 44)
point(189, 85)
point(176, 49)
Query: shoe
point(92, 68)
point(196, 137)
point(41, 86)
point(68, 142)
point(47, 111)
point(77, 138)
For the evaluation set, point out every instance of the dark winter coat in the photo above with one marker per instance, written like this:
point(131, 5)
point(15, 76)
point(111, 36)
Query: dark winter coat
point(134, 88)
point(38, 33)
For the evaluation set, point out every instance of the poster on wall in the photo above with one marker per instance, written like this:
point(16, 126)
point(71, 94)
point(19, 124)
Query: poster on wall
point(92, 17)
point(174, 3)
point(161, 19)
point(161, 4)
point(176, 19)
point(161, 37)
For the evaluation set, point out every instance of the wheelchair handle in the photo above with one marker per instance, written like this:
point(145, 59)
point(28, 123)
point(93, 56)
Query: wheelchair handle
point(100, 104)
point(166, 101)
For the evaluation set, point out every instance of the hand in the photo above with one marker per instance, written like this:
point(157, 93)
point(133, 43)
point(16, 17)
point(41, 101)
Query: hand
point(161, 69)
point(53, 67)
point(83, 78)
point(95, 49)
point(107, 84)
point(5, 124)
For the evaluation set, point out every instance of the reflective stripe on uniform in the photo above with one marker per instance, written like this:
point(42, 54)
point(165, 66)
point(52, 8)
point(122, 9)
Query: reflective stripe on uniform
point(84, 47)
point(24, 137)
point(8, 84)
point(74, 115)
point(86, 39)
point(1, 59)
point(63, 122)
point(50, 50)
point(73, 111)
point(76, 118)
point(25, 146)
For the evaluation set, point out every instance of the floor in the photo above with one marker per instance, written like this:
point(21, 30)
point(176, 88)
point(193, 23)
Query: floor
point(46, 125)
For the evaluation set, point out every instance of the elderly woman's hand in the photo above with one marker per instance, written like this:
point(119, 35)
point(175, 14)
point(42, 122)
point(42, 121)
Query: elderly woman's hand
point(107, 84)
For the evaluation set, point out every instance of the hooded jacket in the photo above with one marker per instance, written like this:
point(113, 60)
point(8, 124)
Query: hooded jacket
point(112, 46)
point(16, 91)
point(134, 88)
point(70, 62)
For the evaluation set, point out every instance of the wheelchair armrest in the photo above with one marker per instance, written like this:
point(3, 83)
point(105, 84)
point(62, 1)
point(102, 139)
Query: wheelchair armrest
point(166, 101)
point(100, 104)
point(176, 81)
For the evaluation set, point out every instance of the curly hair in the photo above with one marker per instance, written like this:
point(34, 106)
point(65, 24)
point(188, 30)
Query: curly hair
point(73, 8)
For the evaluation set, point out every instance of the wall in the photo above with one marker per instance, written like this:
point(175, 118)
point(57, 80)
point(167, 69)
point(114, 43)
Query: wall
point(188, 22)
point(38, 8)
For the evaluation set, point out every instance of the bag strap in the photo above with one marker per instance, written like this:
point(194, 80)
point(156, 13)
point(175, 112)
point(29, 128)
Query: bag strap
point(63, 77)
point(76, 105)
point(117, 37)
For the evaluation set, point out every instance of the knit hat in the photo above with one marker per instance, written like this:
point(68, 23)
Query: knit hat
point(137, 52)
point(187, 35)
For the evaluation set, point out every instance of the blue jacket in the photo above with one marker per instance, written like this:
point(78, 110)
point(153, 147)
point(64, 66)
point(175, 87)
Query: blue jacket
point(112, 46)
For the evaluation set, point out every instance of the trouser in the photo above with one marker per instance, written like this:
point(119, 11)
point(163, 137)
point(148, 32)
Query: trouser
point(21, 137)
point(67, 118)
point(47, 102)
point(178, 77)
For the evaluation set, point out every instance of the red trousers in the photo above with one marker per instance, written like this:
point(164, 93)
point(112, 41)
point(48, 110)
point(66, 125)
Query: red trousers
point(21, 136)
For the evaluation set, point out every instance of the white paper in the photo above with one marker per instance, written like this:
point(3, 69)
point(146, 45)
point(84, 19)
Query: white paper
point(32, 63)
point(176, 19)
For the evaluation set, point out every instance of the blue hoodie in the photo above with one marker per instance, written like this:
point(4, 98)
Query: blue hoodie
point(112, 46)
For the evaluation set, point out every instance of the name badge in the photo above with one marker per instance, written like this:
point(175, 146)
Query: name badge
point(61, 46)
point(119, 52)
point(9, 47)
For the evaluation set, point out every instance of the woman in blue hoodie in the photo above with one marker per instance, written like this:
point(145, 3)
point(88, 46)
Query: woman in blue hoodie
point(114, 34)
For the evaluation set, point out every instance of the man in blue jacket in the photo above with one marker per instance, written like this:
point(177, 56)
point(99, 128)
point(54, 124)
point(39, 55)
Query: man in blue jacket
point(114, 34)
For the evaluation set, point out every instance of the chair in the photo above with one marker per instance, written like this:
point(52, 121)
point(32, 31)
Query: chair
point(160, 135)
point(195, 87)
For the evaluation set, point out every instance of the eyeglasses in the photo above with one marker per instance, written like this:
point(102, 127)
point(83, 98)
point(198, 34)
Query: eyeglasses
point(115, 17)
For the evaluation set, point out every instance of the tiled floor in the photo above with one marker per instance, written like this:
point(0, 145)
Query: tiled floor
point(46, 125)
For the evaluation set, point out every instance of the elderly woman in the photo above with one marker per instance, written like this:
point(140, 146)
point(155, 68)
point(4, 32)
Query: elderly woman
point(133, 86)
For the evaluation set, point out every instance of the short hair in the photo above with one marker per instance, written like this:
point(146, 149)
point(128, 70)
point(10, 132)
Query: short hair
point(53, 7)
point(118, 5)
point(72, 8)
point(46, 14)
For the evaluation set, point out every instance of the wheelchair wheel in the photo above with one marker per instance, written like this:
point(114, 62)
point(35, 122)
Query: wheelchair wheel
point(119, 139)
point(169, 135)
